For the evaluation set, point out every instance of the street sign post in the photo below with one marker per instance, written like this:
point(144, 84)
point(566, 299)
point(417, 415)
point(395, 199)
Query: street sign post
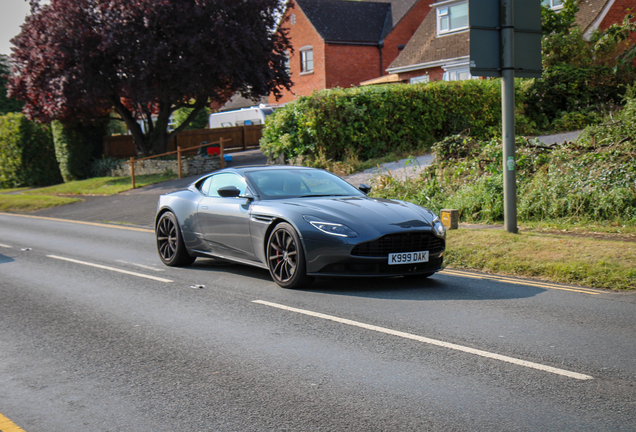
point(505, 40)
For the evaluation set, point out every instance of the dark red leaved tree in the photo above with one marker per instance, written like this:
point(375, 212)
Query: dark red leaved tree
point(78, 59)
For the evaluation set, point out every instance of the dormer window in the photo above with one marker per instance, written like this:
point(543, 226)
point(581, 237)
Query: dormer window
point(552, 4)
point(453, 17)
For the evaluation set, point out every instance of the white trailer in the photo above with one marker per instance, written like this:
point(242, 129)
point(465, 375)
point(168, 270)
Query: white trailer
point(242, 117)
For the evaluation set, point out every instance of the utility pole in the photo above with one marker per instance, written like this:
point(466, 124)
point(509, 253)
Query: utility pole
point(508, 114)
point(505, 40)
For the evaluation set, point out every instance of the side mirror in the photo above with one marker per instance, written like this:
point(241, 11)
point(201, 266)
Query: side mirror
point(229, 192)
point(365, 188)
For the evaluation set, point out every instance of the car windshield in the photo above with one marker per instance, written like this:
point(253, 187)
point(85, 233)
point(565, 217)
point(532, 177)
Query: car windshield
point(294, 183)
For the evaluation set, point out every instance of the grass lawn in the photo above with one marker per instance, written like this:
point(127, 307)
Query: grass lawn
point(30, 200)
point(580, 259)
point(3, 191)
point(101, 185)
point(29, 203)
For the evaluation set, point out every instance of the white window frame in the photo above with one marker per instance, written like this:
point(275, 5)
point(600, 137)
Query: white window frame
point(444, 12)
point(288, 61)
point(551, 4)
point(451, 73)
point(420, 79)
point(305, 63)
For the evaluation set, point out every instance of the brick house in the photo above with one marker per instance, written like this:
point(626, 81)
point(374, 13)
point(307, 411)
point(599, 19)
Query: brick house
point(339, 43)
point(440, 48)
point(600, 14)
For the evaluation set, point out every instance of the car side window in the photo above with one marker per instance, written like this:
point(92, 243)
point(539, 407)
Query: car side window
point(215, 182)
point(205, 187)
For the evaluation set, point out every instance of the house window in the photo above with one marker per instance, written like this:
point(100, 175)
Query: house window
point(420, 79)
point(452, 18)
point(306, 60)
point(552, 4)
point(459, 74)
point(288, 61)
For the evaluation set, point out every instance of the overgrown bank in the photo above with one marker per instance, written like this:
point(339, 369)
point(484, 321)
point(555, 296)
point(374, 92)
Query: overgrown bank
point(593, 179)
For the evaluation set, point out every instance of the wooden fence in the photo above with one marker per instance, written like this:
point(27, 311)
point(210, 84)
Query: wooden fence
point(236, 139)
point(179, 152)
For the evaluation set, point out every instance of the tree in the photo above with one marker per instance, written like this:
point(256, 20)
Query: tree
point(581, 78)
point(145, 59)
point(7, 105)
point(200, 122)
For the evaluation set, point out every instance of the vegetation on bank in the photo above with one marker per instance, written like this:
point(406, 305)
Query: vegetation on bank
point(593, 179)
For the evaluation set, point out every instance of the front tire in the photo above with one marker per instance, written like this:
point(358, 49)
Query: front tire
point(170, 244)
point(286, 257)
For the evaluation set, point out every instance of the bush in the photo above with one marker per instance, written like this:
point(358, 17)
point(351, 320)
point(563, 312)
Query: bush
point(370, 121)
point(570, 98)
point(27, 157)
point(103, 167)
point(77, 145)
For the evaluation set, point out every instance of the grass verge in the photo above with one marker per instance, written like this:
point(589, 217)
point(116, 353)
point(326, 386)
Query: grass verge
point(579, 260)
point(30, 200)
point(29, 203)
point(102, 185)
point(4, 191)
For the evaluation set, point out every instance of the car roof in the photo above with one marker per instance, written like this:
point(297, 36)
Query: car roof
point(271, 168)
point(247, 169)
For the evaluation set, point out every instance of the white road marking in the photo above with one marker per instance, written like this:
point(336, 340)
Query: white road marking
point(141, 265)
point(436, 342)
point(110, 268)
point(5, 246)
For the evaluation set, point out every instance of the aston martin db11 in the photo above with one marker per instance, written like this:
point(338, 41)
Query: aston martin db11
point(298, 223)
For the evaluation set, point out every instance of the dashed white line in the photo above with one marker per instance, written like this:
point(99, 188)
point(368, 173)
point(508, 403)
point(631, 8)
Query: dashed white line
point(430, 341)
point(140, 265)
point(110, 268)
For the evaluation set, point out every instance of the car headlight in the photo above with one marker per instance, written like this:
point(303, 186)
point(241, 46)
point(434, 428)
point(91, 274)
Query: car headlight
point(336, 229)
point(439, 228)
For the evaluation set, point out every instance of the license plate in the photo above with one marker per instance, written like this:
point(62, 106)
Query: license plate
point(408, 257)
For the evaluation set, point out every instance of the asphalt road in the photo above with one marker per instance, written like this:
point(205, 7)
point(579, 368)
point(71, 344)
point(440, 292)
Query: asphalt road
point(96, 335)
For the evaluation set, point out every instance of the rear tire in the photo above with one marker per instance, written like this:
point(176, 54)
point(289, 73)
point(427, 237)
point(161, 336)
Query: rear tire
point(286, 258)
point(170, 244)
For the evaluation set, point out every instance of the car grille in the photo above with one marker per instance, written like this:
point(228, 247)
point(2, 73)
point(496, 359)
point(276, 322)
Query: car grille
point(401, 242)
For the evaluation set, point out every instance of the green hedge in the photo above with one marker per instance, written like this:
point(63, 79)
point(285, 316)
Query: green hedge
point(27, 157)
point(77, 145)
point(372, 121)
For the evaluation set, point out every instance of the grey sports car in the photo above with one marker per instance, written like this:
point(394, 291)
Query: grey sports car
point(299, 223)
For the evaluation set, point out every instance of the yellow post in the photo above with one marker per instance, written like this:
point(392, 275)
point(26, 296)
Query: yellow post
point(450, 218)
